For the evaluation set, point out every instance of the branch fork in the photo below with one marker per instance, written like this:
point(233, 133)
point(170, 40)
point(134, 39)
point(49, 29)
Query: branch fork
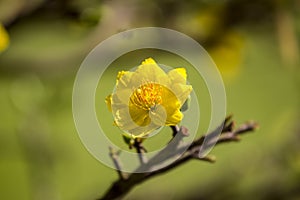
point(125, 183)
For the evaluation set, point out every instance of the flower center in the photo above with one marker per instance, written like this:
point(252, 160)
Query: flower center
point(147, 96)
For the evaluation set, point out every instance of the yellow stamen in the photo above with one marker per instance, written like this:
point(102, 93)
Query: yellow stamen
point(147, 96)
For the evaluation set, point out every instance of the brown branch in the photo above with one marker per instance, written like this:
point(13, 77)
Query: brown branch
point(115, 158)
point(121, 187)
point(140, 150)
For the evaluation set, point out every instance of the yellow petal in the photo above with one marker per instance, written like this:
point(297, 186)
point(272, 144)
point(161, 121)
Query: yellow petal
point(178, 75)
point(124, 88)
point(139, 115)
point(182, 72)
point(149, 71)
point(178, 84)
point(123, 95)
point(164, 117)
point(142, 131)
point(135, 121)
point(174, 119)
point(181, 91)
point(148, 61)
point(123, 79)
point(122, 120)
point(131, 117)
point(159, 115)
point(172, 105)
point(120, 74)
point(168, 97)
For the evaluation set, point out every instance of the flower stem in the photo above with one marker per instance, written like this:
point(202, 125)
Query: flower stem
point(141, 151)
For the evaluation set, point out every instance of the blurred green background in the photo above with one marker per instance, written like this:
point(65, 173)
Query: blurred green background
point(255, 44)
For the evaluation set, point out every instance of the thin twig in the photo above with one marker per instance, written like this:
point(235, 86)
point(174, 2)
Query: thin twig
point(140, 149)
point(115, 158)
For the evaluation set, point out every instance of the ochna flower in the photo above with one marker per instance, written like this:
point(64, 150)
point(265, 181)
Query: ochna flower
point(148, 98)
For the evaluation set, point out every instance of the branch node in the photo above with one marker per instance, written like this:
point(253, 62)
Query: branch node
point(184, 131)
point(211, 159)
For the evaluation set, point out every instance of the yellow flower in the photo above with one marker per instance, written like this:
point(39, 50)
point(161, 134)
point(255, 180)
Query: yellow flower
point(148, 98)
point(4, 38)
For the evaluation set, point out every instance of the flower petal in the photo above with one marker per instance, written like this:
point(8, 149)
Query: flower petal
point(178, 75)
point(123, 120)
point(181, 91)
point(120, 74)
point(135, 121)
point(131, 117)
point(139, 115)
point(123, 86)
point(149, 71)
point(158, 115)
point(123, 79)
point(122, 96)
point(172, 105)
point(142, 131)
point(174, 119)
point(148, 61)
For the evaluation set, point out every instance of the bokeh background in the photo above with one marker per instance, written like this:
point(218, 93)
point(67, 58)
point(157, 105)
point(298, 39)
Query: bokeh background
point(255, 45)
